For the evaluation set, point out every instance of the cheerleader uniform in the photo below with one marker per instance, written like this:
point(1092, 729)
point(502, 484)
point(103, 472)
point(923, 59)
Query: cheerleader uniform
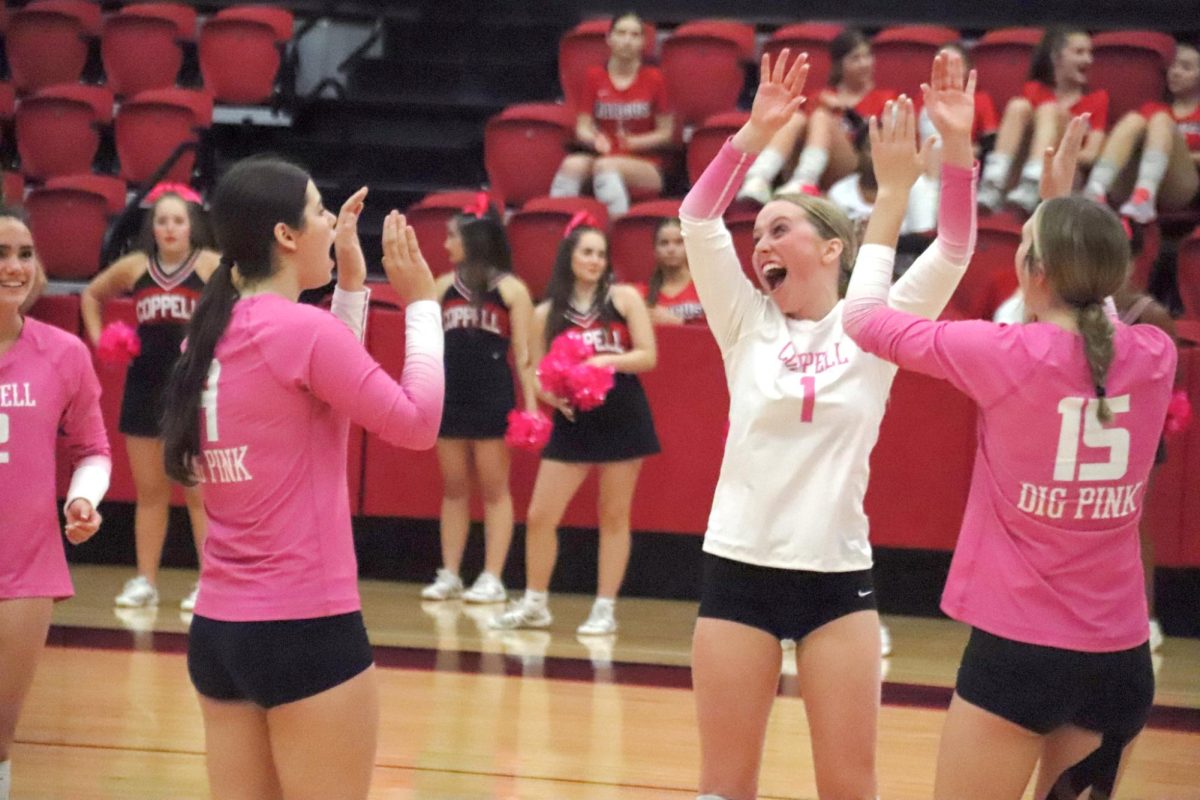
point(479, 381)
point(622, 428)
point(164, 302)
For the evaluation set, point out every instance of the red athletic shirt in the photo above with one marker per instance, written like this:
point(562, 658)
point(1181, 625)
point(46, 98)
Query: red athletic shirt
point(1095, 103)
point(628, 111)
point(1188, 125)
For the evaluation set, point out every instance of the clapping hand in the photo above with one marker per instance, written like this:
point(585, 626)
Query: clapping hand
point(1058, 164)
point(950, 102)
point(406, 269)
point(352, 265)
point(898, 162)
point(775, 102)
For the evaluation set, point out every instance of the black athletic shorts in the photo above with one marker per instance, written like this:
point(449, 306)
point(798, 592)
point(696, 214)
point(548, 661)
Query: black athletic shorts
point(276, 662)
point(786, 603)
point(1043, 688)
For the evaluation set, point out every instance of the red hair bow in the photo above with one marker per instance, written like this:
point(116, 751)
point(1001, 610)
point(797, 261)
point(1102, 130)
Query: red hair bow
point(582, 217)
point(185, 192)
point(479, 207)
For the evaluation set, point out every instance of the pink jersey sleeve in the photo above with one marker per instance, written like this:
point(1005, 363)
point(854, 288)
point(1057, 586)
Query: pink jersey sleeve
point(83, 423)
point(718, 184)
point(324, 357)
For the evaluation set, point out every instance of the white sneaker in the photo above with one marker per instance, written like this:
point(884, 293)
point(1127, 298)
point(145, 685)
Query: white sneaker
point(600, 622)
point(756, 189)
point(1156, 636)
point(989, 197)
point(138, 593)
point(189, 603)
point(522, 614)
point(486, 589)
point(885, 641)
point(447, 586)
point(1025, 196)
point(1140, 208)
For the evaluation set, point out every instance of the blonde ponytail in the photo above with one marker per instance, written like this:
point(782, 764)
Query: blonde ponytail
point(1097, 334)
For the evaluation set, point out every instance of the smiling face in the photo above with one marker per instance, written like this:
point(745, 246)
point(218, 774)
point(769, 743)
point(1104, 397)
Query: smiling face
point(1183, 78)
point(18, 266)
point(172, 227)
point(589, 259)
point(789, 252)
point(1073, 60)
point(668, 248)
point(858, 66)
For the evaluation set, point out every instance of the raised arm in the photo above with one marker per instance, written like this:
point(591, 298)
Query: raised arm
point(351, 298)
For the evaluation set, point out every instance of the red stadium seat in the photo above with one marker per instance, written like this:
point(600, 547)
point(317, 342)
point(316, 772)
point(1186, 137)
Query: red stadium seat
point(708, 139)
point(1188, 275)
point(586, 46)
point(240, 52)
point(534, 236)
point(741, 228)
point(429, 218)
point(813, 38)
point(991, 278)
point(740, 33)
point(571, 205)
point(141, 46)
point(59, 310)
point(1001, 57)
point(1143, 264)
point(631, 241)
point(903, 55)
point(58, 128)
point(68, 223)
point(150, 125)
point(8, 100)
point(87, 12)
point(703, 74)
point(1132, 66)
point(45, 47)
point(523, 147)
point(113, 190)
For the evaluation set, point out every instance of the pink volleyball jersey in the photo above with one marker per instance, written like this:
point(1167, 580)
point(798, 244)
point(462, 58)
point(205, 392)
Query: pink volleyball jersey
point(47, 385)
point(286, 382)
point(1048, 552)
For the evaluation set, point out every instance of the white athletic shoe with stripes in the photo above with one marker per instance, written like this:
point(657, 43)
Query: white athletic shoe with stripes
point(522, 614)
point(446, 586)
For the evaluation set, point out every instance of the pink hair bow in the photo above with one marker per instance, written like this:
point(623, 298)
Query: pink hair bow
point(185, 192)
point(478, 207)
point(582, 217)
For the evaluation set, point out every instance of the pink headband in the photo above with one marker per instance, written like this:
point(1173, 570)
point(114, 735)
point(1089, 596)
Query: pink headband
point(185, 192)
point(582, 217)
point(478, 207)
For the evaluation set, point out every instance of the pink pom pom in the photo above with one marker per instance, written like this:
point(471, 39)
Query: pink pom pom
point(119, 344)
point(1179, 412)
point(588, 385)
point(527, 430)
point(552, 374)
point(571, 347)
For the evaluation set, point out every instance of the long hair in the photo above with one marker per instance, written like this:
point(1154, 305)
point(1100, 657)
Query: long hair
point(562, 283)
point(831, 223)
point(1084, 253)
point(485, 253)
point(843, 45)
point(199, 233)
point(1041, 63)
point(654, 287)
point(251, 199)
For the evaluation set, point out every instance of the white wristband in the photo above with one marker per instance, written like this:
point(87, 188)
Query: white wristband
point(89, 481)
point(351, 308)
point(423, 329)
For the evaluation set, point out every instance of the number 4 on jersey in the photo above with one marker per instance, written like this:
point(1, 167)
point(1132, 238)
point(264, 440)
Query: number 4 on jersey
point(208, 401)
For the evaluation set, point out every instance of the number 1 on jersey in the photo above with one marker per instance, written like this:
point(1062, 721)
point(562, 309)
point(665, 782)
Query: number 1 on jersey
point(809, 384)
point(208, 401)
point(3, 437)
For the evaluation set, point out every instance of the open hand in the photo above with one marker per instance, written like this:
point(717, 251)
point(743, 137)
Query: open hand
point(82, 521)
point(894, 152)
point(949, 100)
point(1058, 164)
point(407, 270)
point(352, 265)
point(778, 96)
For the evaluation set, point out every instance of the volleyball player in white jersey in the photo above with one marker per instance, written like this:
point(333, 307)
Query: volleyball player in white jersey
point(786, 551)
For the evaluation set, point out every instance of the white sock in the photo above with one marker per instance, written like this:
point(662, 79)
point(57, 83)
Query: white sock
point(1101, 178)
point(5, 778)
point(813, 161)
point(565, 185)
point(610, 189)
point(996, 167)
point(535, 599)
point(709, 797)
point(1032, 171)
point(604, 603)
point(1151, 171)
point(766, 166)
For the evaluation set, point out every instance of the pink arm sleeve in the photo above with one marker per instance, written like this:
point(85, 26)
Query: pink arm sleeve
point(83, 422)
point(718, 184)
point(405, 414)
point(956, 213)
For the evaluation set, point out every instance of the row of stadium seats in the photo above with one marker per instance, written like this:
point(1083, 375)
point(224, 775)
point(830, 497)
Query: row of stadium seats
point(920, 469)
point(141, 46)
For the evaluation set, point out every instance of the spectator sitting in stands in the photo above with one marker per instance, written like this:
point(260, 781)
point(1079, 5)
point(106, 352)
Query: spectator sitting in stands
point(671, 295)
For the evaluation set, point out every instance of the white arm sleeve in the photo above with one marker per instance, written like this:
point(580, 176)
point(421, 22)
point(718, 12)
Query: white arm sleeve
point(351, 308)
point(89, 481)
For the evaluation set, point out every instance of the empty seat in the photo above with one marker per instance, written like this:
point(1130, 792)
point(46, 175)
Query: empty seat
point(45, 47)
point(152, 124)
point(523, 146)
point(58, 129)
point(1001, 57)
point(903, 54)
point(241, 51)
point(1132, 66)
point(68, 219)
point(142, 46)
point(631, 241)
point(708, 139)
point(703, 74)
point(813, 38)
point(740, 33)
point(991, 278)
point(586, 46)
